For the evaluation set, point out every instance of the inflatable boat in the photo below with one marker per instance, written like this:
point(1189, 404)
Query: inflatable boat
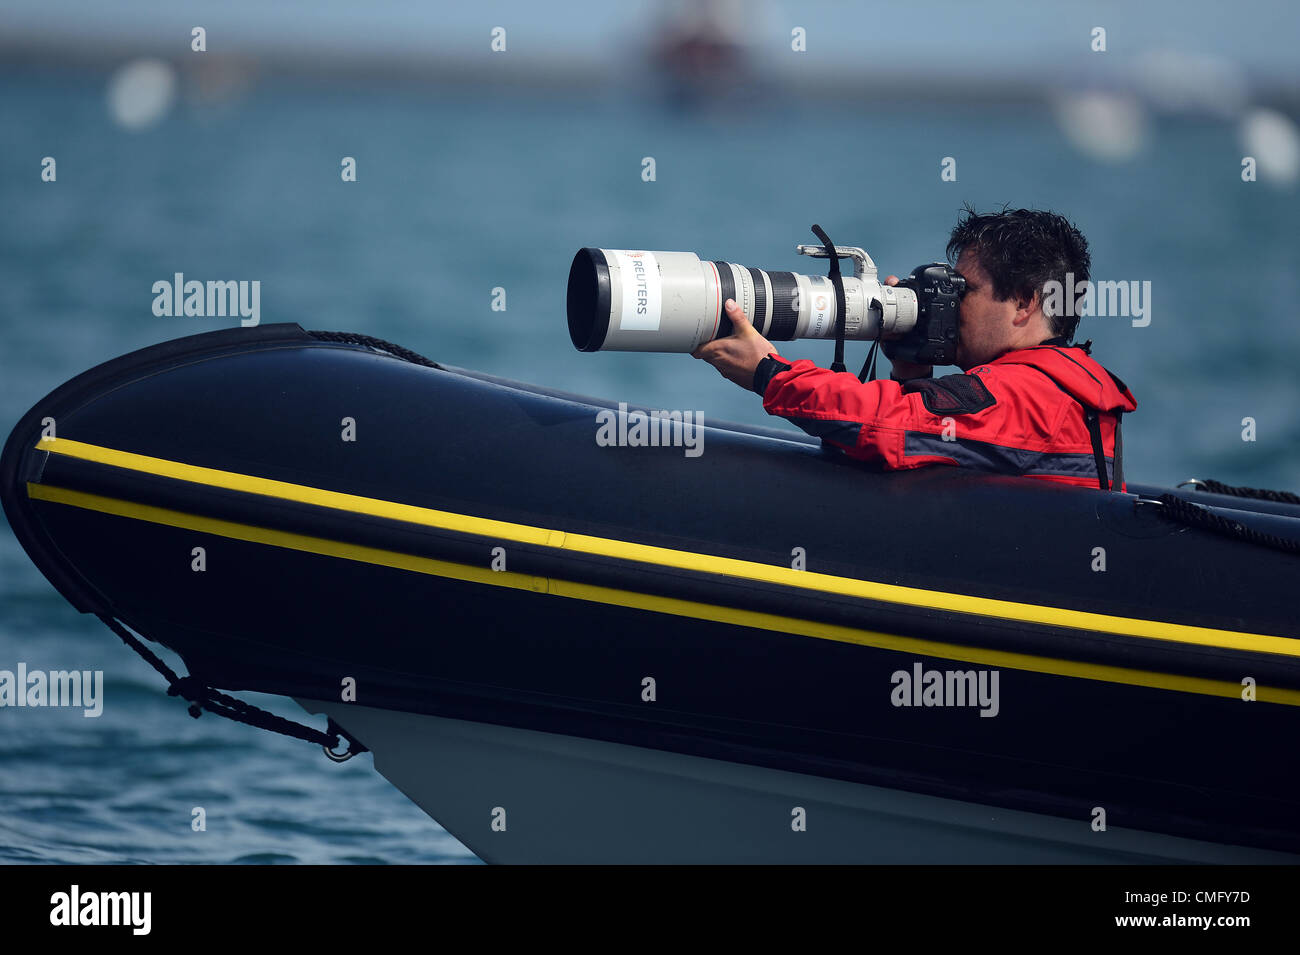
point(573, 650)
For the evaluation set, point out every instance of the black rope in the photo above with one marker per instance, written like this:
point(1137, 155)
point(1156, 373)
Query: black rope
point(352, 338)
point(203, 697)
point(1218, 487)
point(1185, 512)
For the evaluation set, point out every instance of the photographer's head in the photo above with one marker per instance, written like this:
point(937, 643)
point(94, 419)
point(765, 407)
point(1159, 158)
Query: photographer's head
point(1007, 258)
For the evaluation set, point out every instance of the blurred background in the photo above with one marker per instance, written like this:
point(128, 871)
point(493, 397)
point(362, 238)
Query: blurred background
point(491, 141)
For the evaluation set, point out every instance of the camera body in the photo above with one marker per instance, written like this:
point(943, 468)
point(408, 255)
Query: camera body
point(933, 339)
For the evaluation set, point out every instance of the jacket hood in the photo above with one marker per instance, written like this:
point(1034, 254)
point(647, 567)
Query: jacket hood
point(1076, 373)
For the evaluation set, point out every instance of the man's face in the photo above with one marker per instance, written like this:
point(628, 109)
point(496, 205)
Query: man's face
point(985, 329)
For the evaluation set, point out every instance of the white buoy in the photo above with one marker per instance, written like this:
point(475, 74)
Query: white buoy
point(1273, 140)
point(1111, 127)
point(141, 92)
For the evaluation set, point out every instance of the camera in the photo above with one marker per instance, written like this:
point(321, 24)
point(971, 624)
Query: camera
point(631, 300)
point(933, 339)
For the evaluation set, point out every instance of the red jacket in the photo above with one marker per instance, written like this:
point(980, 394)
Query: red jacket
point(1026, 412)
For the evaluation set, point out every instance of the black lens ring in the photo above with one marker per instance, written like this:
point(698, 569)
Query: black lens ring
point(588, 300)
point(726, 290)
point(784, 317)
point(760, 298)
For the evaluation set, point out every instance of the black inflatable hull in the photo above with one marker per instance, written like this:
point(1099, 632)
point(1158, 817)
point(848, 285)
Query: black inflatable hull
point(474, 553)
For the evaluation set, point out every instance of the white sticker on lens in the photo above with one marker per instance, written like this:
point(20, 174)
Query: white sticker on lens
point(822, 304)
point(642, 290)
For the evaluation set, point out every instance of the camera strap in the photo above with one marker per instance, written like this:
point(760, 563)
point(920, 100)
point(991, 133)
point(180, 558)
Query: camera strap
point(838, 281)
point(870, 363)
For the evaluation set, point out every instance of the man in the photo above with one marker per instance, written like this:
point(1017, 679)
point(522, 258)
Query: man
point(1029, 402)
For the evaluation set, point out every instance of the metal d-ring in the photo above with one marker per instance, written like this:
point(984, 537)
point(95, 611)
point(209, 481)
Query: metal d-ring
point(339, 757)
point(354, 746)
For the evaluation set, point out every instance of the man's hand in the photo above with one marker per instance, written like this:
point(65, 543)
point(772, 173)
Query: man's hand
point(736, 356)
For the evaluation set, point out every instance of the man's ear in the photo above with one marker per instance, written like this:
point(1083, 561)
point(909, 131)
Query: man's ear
point(1026, 308)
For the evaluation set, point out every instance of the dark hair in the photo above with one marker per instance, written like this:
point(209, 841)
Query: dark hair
point(1022, 250)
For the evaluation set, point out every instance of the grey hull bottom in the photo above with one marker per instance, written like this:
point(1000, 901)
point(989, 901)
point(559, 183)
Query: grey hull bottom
point(521, 796)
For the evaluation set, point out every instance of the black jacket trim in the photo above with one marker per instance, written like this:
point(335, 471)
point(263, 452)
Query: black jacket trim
point(767, 369)
point(952, 394)
point(1001, 458)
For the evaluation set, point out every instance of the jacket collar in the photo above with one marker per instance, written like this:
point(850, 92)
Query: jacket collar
point(1062, 342)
